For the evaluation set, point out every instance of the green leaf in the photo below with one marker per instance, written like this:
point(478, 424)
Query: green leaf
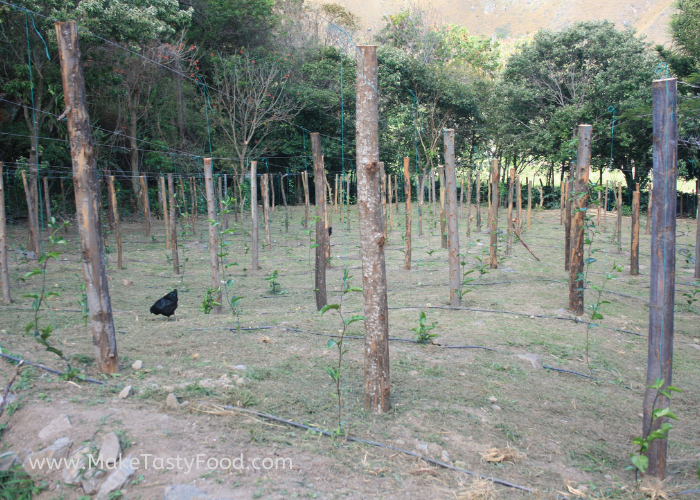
point(354, 318)
point(664, 412)
point(328, 307)
point(31, 295)
point(331, 343)
point(354, 289)
point(640, 462)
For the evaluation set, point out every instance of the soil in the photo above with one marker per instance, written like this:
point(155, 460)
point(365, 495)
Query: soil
point(564, 431)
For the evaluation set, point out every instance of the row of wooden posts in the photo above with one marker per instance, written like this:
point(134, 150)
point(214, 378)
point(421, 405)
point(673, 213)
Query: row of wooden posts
point(372, 226)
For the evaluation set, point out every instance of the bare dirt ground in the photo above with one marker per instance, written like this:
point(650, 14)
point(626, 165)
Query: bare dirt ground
point(452, 404)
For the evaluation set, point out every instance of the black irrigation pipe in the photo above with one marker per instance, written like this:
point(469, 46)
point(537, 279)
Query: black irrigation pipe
point(547, 367)
point(374, 443)
point(596, 325)
point(51, 370)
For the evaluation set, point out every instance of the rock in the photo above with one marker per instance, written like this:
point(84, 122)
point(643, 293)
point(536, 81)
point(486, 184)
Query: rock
point(495, 407)
point(422, 448)
point(171, 401)
point(461, 465)
point(240, 381)
point(126, 392)
point(38, 462)
point(56, 426)
point(507, 270)
point(400, 442)
point(126, 282)
point(168, 388)
point(138, 364)
point(71, 475)
point(9, 460)
point(184, 492)
point(532, 358)
point(116, 480)
point(493, 399)
point(445, 456)
point(91, 480)
point(532, 317)
point(110, 449)
point(239, 367)
point(434, 450)
point(184, 404)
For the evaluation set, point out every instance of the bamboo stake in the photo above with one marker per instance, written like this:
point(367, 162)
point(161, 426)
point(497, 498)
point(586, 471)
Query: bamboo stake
point(213, 236)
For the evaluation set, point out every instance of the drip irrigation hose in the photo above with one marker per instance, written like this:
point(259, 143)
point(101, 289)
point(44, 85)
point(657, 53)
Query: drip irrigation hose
point(371, 443)
point(51, 370)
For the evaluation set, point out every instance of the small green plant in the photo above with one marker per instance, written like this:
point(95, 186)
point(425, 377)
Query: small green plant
point(82, 300)
point(640, 462)
point(335, 371)
point(690, 296)
point(209, 303)
point(236, 309)
point(275, 288)
point(16, 484)
point(422, 333)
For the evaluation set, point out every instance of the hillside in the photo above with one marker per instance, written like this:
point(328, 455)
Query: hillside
point(514, 18)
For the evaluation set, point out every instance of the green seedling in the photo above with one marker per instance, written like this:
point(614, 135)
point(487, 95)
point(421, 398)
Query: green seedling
point(690, 296)
point(209, 303)
point(422, 333)
point(275, 288)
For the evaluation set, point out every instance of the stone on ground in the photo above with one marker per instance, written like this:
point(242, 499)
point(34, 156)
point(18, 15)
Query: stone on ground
point(56, 426)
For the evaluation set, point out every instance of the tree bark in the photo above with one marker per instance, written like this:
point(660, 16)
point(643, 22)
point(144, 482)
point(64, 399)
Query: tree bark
point(115, 216)
point(32, 218)
point(578, 234)
point(321, 230)
point(407, 194)
point(146, 205)
point(254, 212)
point(47, 200)
point(452, 219)
point(634, 248)
point(86, 199)
point(4, 274)
point(213, 236)
point(172, 219)
point(493, 215)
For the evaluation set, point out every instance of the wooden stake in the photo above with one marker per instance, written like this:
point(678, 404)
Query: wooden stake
point(511, 188)
point(115, 215)
point(254, 213)
point(213, 235)
point(382, 177)
point(173, 225)
point(47, 199)
point(605, 209)
point(452, 220)
point(64, 215)
point(164, 207)
point(193, 195)
point(478, 200)
point(663, 258)
point(321, 230)
point(407, 195)
point(529, 201)
point(493, 215)
point(305, 181)
point(578, 234)
point(443, 220)
point(86, 199)
point(4, 274)
point(619, 216)
point(634, 250)
point(32, 220)
point(146, 205)
point(391, 195)
point(567, 223)
point(469, 203)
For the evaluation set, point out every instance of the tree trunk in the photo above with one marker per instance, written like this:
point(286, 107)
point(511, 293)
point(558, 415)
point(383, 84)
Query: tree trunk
point(213, 236)
point(115, 216)
point(493, 215)
point(172, 219)
point(4, 274)
point(32, 218)
point(146, 205)
point(321, 231)
point(452, 220)
point(254, 212)
point(578, 233)
point(407, 195)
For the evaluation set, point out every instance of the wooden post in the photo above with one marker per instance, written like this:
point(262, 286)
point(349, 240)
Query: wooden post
point(562, 204)
point(284, 200)
point(432, 187)
point(213, 235)
point(382, 177)
point(4, 274)
point(619, 216)
point(529, 201)
point(567, 223)
point(578, 234)
point(511, 188)
point(47, 200)
point(541, 189)
point(443, 215)
point(396, 192)
point(164, 207)
point(254, 213)
point(469, 203)
point(265, 192)
point(146, 205)
point(32, 219)
point(271, 182)
point(634, 249)
point(321, 230)
point(86, 199)
point(519, 197)
point(376, 310)
point(193, 195)
point(478, 200)
point(461, 197)
point(407, 194)
point(335, 194)
point(651, 200)
point(173, 224)
point(64, 214)
point(493, 215)
point(605, 209)
point(663, 258)
point(452, 220)
point(115, 215)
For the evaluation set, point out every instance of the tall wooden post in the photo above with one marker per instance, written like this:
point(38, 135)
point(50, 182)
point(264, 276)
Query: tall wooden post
point(173, 225)
point(146, 205)
point(511, 188)
point(47, 199)
point(663, 267)
point(605, 209)
point(432, 187)
point(265, 192)
point(86, 199)
point(254, 213)
point(469, 203)
point(4, 274)
point(519, 197)
point(619, 216)
point(213, 235)
point(443, 207)
point(193, 195)
point(396, 192)
point(529, 201)
point(493, 215)
point(284, 200)
point(478, 200)
point(382, 177)
point(376, 309)
point(461, 197)
point(390, 193)
point(407, 195)
point(634, 248)
point(567, 223)
point(115, 216)
point(651, 200)
point(164, 207)
point(321, 231)
point(305, 182)
point(578, 235)
point(33, 225)
point(452, 220)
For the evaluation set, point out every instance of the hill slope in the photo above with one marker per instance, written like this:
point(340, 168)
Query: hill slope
point(514, 18)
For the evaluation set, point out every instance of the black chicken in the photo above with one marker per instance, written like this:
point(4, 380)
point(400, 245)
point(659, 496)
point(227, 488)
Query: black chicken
point(166, 306)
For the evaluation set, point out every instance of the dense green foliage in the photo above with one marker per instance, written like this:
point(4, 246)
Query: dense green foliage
point(170, 82)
